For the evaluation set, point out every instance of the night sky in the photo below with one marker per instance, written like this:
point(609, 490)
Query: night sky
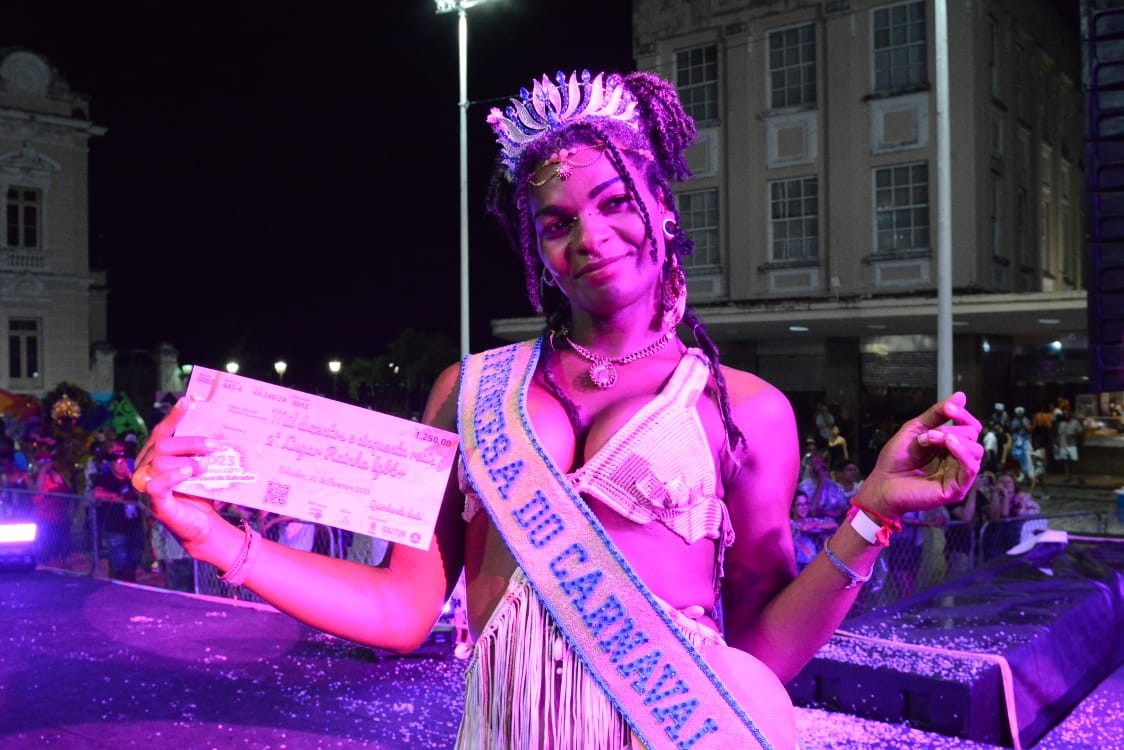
point(284, 184)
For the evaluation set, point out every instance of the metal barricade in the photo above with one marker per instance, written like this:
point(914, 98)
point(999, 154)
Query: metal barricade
point(61, 518)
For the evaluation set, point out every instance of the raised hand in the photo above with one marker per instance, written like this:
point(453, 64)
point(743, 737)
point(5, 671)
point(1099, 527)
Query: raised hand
point(164, 462)
point(932, 460)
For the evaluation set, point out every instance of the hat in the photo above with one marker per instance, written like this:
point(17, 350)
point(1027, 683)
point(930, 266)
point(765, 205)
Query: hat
point(1019, 411)
point(999, 406)
point(131, 438)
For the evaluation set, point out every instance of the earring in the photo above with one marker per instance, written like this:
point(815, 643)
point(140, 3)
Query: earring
point(674, 294)
point(548, 279)
point(670, 228)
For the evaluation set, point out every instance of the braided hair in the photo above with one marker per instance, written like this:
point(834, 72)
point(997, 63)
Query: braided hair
point(657, 151)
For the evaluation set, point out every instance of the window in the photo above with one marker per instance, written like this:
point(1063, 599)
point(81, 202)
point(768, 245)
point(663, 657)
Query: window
point(696, 77)
point(22, 215)
point(1020, 83)
point(1022, 229)
point(901, 213)
point(899, 47)
point(996, 215)
point(23, 351)
point(993, 56)
point(699, 213)
point(794, 219)
point(792, 67)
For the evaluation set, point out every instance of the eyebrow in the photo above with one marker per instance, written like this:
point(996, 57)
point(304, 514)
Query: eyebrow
point(593, 193)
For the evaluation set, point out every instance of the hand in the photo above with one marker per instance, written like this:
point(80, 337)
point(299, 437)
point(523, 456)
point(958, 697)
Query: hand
point(164, 462)
point(931, 461)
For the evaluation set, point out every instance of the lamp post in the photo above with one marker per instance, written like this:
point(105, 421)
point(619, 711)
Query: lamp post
point(279, 367)
point(232, 367)
point(461, 6)
point(334, 366)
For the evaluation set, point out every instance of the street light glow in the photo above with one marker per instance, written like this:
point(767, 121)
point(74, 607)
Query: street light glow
point(279, 367)
point(334, 366)
point(232, 367)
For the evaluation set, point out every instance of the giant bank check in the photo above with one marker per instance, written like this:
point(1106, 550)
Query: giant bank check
point(317, 459)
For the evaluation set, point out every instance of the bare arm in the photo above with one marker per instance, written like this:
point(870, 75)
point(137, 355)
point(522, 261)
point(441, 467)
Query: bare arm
point(392, 607)
point(783, 620)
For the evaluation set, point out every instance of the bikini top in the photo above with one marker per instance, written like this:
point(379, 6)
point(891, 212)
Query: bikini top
point(658, 466)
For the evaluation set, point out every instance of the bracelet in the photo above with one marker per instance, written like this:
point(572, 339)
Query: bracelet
point(240, 568)
point(857, 579)
point(865, 524)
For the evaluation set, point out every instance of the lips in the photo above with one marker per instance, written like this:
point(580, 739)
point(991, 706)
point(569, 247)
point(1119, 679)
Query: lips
point(597, 265)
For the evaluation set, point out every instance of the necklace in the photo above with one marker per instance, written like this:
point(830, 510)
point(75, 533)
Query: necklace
point(602, 370)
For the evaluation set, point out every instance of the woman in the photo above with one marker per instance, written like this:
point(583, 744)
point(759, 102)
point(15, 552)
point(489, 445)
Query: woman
point(808, 531)
point(694, 513)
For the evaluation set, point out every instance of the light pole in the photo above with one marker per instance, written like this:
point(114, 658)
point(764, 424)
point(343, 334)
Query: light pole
point(279, 367)
point(461, 6)
point(334, 368)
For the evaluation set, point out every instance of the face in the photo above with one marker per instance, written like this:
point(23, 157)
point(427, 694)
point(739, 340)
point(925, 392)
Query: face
point(592, 238)
point(850, 472)
point(800, 506)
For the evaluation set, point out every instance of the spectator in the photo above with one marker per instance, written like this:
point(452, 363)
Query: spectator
point(808, 532)
point(824, 493)
point(120, 525)
point(173, 561)
point(849, 480)
point(837, 452)
point(1066, 431)
point(964, 524)
point(52, 510)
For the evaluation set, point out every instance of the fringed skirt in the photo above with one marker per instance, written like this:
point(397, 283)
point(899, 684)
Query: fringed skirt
point(526, 689)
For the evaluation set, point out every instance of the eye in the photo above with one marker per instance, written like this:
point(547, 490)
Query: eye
point(617, 202)
point(556, 227)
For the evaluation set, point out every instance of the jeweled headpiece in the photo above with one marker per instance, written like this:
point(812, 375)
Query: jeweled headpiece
point(551, 105)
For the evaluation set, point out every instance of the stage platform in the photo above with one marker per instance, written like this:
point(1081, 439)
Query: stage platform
point(89, 663)
point(1007, 651)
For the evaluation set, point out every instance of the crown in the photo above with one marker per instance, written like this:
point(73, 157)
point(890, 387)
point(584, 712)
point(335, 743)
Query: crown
point(551, 105)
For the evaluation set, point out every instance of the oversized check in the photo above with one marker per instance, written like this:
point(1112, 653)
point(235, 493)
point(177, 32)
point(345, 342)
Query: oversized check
point(317, 459)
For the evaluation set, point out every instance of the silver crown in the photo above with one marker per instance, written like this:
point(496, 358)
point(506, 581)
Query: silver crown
point(549, 106)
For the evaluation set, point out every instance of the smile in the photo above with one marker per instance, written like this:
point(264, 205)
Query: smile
point(597, 265)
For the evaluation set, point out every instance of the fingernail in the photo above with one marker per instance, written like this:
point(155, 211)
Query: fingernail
point(950, 408)
point(210, 444)
point(186, 471)
point(952, 439)
point(923, 438)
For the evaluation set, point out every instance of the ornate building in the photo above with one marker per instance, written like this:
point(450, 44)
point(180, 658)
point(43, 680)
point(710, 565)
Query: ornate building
point(52, 304)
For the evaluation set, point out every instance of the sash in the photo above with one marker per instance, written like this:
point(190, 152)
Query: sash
point(660, 684)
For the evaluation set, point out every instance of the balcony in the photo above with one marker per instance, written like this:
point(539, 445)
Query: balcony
point(21, 259)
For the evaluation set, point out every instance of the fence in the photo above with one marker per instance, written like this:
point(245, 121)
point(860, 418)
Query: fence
point(70, 532)
point(72, 527)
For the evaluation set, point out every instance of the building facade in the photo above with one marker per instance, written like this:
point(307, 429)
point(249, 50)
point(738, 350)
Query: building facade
point(813, 202)
point(52, 304)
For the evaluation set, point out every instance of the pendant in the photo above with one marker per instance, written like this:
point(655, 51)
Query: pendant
point(603, 374)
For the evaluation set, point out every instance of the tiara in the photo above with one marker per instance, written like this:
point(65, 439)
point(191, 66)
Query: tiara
point(549, 106)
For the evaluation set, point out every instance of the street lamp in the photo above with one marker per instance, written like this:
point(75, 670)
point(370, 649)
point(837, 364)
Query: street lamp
point(232, 367)
point(334, 368)
point(279, 367)
point(460, 6)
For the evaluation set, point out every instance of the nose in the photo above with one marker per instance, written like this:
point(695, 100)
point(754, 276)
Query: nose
point(588, 232)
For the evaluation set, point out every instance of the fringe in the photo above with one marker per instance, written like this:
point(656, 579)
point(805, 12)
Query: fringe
point(526, 689)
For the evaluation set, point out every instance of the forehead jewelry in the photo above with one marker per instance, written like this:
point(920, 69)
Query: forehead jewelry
point(551, 105)
point(562, 163)
point(602, 370)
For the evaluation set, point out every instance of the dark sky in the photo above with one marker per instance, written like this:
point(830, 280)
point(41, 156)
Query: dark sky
point(284, 183)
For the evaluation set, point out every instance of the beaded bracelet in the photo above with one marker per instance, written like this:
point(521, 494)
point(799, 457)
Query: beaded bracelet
point(244, 562)
point(857, 579)
point(865, 524)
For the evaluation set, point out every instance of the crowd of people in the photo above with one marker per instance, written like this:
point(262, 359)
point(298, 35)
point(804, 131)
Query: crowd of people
point(1022, 453)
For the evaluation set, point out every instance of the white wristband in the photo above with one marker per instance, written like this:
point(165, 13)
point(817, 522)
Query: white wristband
point(866, 527)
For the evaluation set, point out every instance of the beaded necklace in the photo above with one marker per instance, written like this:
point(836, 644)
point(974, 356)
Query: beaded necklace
point(602, 370)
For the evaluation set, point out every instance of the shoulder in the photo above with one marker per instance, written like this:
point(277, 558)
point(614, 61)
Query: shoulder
point(757, 402)
point(441, 407)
